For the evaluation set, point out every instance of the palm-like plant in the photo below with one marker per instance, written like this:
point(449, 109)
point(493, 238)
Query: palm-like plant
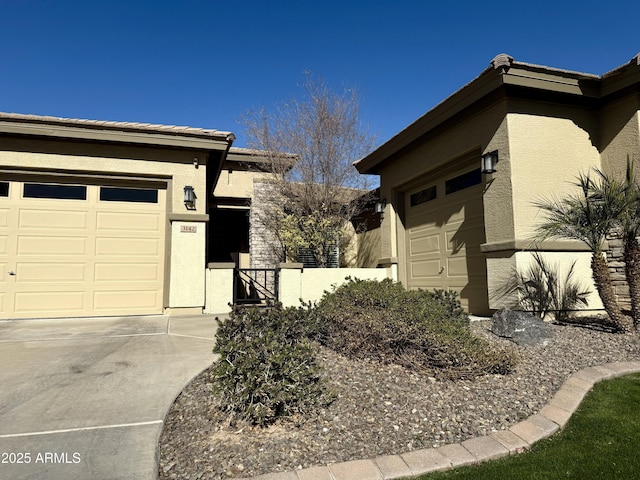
point(589, 218)
point(625, 196)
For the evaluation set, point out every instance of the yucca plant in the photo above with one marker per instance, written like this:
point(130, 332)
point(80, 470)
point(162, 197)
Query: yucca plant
point(541, 290)
point(588, 218)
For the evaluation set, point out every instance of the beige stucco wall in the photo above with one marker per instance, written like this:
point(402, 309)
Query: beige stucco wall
point(186, 285)
point(620, 136)
point(547, 153)
point(237, 183)
point(368, 253)
point(548, 147)
point(219, 288)
point(309, 284)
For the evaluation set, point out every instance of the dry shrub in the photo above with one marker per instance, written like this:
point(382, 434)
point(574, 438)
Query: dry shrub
point(425, 331)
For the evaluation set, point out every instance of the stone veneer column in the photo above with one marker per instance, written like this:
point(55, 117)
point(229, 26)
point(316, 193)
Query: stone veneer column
point(615, 259)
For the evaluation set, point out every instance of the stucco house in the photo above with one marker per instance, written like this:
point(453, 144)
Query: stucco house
point(454, 221)
point(114, 218)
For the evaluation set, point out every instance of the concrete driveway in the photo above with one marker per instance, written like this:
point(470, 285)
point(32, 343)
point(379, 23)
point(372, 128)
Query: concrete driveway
point(86, 398)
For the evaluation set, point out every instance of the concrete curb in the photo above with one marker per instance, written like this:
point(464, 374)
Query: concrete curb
point(549, 420)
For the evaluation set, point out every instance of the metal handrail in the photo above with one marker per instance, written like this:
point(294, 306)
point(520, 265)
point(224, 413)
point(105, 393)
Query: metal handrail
point(255, 286)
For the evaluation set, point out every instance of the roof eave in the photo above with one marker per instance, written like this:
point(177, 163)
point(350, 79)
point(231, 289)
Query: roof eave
point(503, 70)
point(489, 80)
point(115, 132)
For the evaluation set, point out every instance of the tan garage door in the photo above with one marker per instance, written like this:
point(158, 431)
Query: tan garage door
point(80, 249)
point(444, 230)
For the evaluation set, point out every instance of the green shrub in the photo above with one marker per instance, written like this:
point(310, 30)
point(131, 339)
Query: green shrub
point(267, 367)
point(422, 330)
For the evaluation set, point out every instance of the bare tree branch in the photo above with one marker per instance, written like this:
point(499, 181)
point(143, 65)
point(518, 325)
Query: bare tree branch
point(311, 143)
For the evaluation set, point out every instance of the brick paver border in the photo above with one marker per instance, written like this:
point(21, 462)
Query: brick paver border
point(519, 437)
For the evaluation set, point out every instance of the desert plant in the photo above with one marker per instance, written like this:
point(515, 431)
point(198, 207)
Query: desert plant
point(267, 368)
point(589, 219)
point(626, 196)
point(541, 291)
point(425, 331)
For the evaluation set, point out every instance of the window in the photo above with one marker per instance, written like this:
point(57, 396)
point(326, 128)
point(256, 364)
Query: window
point(50, 190)
point(4, 189)
point(116, 194)
point(466, 180)
point(423, 196)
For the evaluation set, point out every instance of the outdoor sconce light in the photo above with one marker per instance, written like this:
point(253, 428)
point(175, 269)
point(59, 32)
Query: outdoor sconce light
point(380, 206)
point(196, 162)
point(189, 198)
point(489, 161)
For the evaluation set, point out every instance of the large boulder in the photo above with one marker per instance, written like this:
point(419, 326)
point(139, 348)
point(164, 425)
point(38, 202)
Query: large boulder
point(521, 327)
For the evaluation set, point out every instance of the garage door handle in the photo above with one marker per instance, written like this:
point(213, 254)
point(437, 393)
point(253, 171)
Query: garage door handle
point(12, 273)
point(441, 270)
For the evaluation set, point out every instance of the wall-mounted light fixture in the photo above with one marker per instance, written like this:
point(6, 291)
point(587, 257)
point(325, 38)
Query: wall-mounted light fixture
point(489, 161)
point(189, 198)
point(380, 206)
point(196, 162)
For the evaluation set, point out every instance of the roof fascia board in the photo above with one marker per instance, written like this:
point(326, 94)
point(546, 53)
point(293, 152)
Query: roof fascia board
point(58, 131)
point(616, 83)
point(555, 82)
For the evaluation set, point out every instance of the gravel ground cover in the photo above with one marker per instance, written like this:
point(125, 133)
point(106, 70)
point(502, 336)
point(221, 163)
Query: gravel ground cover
point(379, 409)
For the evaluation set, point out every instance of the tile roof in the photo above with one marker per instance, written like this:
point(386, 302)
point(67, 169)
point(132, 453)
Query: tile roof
point(119, 126)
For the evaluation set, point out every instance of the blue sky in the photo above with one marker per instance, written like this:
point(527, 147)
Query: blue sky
point(205, 63)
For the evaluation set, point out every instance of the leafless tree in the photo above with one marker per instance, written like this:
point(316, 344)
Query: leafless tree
point(311, 143)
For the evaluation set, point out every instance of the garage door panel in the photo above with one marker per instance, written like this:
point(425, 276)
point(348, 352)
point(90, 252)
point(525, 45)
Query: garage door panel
point(126, 246)
point(425, 269)
point(128, 221)
point(454, 240)
point(457, 220)
point(50, 303)
point(457, 267)
point(425, 244)
point(453, 215)
point(51, 245)
point(4, 217)
point(50, 272)
point(124, 300)
point(126, 272)
point(81, 258)
point(52, 219)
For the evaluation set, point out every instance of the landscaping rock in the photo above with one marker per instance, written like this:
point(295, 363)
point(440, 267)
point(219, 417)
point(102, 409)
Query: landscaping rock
point(521, 327)
point(373, 397)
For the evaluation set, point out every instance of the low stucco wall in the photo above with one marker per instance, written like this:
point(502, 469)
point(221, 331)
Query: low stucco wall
point(309, 284)
point(296, 283)
point(218, 287)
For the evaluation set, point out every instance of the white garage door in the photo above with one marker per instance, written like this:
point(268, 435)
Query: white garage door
point(444, 229)
point(80, 249)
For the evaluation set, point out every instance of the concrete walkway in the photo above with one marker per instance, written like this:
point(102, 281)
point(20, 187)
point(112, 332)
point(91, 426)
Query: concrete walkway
point(86, 398)
point(498, 444)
